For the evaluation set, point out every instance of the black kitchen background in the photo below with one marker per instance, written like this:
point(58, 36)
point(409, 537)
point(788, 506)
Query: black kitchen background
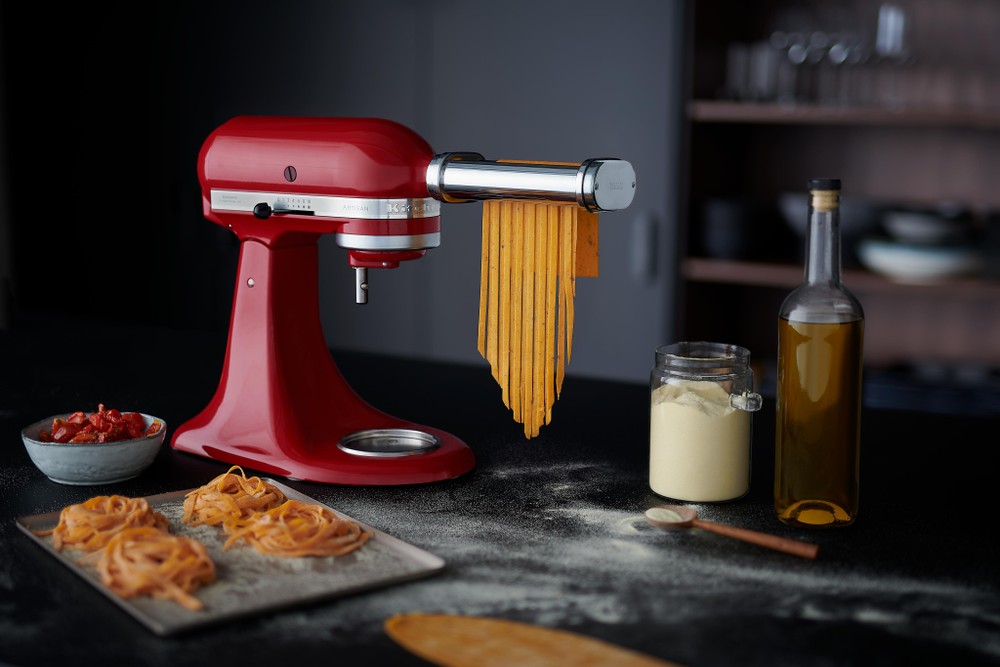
point(106, 107)
point(103, 109)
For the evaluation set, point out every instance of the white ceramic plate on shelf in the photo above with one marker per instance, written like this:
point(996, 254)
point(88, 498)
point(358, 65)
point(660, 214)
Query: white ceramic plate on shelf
point(919, 264)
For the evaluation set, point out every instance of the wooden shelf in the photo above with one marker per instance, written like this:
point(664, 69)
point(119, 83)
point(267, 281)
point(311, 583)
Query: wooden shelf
point(720, 111)
point(787, 276)
point(754, 151)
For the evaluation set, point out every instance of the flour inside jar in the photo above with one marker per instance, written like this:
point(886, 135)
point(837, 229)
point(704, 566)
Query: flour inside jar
point(699, 444)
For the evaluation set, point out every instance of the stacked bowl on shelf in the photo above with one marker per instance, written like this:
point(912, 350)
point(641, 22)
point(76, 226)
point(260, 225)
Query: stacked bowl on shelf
point(923, 246)
point(858, 218)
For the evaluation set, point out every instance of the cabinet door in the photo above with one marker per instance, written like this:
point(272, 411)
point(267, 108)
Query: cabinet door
point(560, 80)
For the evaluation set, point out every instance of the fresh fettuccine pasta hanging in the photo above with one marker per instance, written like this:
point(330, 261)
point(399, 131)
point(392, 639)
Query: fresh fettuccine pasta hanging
point(530, 262)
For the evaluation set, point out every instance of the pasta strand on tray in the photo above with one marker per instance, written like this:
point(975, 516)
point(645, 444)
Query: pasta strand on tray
point(528, 285)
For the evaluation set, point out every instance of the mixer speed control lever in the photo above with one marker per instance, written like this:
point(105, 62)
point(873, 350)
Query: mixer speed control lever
point(264, 211)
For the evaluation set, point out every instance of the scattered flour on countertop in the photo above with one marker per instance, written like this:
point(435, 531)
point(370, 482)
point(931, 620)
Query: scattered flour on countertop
point(592, 562)
point(595, 559)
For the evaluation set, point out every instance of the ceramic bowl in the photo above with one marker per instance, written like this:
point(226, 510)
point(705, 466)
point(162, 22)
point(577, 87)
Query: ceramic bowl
point(91, 464)
point(915, 263)
point(923, 227)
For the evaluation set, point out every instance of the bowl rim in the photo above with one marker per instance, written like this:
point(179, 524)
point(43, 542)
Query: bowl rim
point(29, 433)
point(912, 247)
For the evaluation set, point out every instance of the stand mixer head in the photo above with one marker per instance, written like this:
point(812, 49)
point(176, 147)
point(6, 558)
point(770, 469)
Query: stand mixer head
point(279, 183)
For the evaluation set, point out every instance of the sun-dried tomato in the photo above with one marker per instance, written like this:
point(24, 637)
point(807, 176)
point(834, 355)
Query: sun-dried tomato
point(77, 417)
point(63, 430)
point(98, 427)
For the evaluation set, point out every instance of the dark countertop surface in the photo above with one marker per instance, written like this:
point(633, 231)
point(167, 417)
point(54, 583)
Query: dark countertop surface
point(548, 531)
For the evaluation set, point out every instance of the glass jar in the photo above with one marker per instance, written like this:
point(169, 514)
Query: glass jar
point(701, 402)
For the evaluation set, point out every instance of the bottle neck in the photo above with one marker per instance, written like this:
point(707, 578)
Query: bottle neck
point(823, 240)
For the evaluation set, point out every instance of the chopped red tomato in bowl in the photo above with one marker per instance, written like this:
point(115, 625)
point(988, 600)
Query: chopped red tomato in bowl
point(97, 427)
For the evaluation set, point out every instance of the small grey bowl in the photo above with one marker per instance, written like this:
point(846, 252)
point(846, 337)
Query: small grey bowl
point(91, 464)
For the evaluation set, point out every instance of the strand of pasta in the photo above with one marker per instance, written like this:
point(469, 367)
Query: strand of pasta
point(503, 286)
point(541, 324)
point(517, 295)
point(568, 275)
point(489, 295)
point(148, 561)
point(551, 286)
point(90, 525)
point(228, 495)
point(296, 528)
point(527, 319)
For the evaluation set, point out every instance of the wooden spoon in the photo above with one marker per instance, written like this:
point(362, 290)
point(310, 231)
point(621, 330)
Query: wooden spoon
point(678, 517)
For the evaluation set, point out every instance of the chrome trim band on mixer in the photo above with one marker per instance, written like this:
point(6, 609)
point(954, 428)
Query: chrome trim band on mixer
point(358, 208)
point(599, 184)
point(389, 241)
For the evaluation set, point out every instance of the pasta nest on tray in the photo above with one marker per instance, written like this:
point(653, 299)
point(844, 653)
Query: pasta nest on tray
point(133, 550)
point(150, 562)
point(229, 495)
point(296, 528)
point(90, 525)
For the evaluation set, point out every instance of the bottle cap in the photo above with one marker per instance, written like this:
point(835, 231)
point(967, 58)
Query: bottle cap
point(824, 184)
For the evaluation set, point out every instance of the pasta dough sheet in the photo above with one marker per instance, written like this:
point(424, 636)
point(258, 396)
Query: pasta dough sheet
point(532, 253)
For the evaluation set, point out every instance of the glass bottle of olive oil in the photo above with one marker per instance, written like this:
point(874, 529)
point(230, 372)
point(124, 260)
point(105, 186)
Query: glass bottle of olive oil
point(818, 409)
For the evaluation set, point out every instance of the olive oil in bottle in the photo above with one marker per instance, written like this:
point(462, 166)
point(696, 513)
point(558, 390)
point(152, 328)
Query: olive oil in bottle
point(818, 409)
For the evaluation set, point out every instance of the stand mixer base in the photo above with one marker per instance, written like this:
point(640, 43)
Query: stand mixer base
point(282, 405)
point(399, 454)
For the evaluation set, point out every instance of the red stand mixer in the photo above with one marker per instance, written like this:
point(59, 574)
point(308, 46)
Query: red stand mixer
point(282, 405)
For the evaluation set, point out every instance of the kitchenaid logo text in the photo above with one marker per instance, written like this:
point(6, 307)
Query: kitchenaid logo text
point(404, 207)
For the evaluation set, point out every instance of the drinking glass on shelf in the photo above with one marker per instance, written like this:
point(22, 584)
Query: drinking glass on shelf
point(892, 49)
point(789, 38)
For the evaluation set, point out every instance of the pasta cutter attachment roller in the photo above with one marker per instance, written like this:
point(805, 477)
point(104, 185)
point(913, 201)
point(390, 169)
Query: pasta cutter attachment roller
point(597, 184)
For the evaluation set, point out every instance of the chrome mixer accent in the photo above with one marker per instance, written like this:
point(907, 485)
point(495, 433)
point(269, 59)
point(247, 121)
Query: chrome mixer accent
point(599, 184)
point(384, 442)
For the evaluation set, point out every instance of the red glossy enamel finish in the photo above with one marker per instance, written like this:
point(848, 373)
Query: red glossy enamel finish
point(282, 404)
point(350, 157)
